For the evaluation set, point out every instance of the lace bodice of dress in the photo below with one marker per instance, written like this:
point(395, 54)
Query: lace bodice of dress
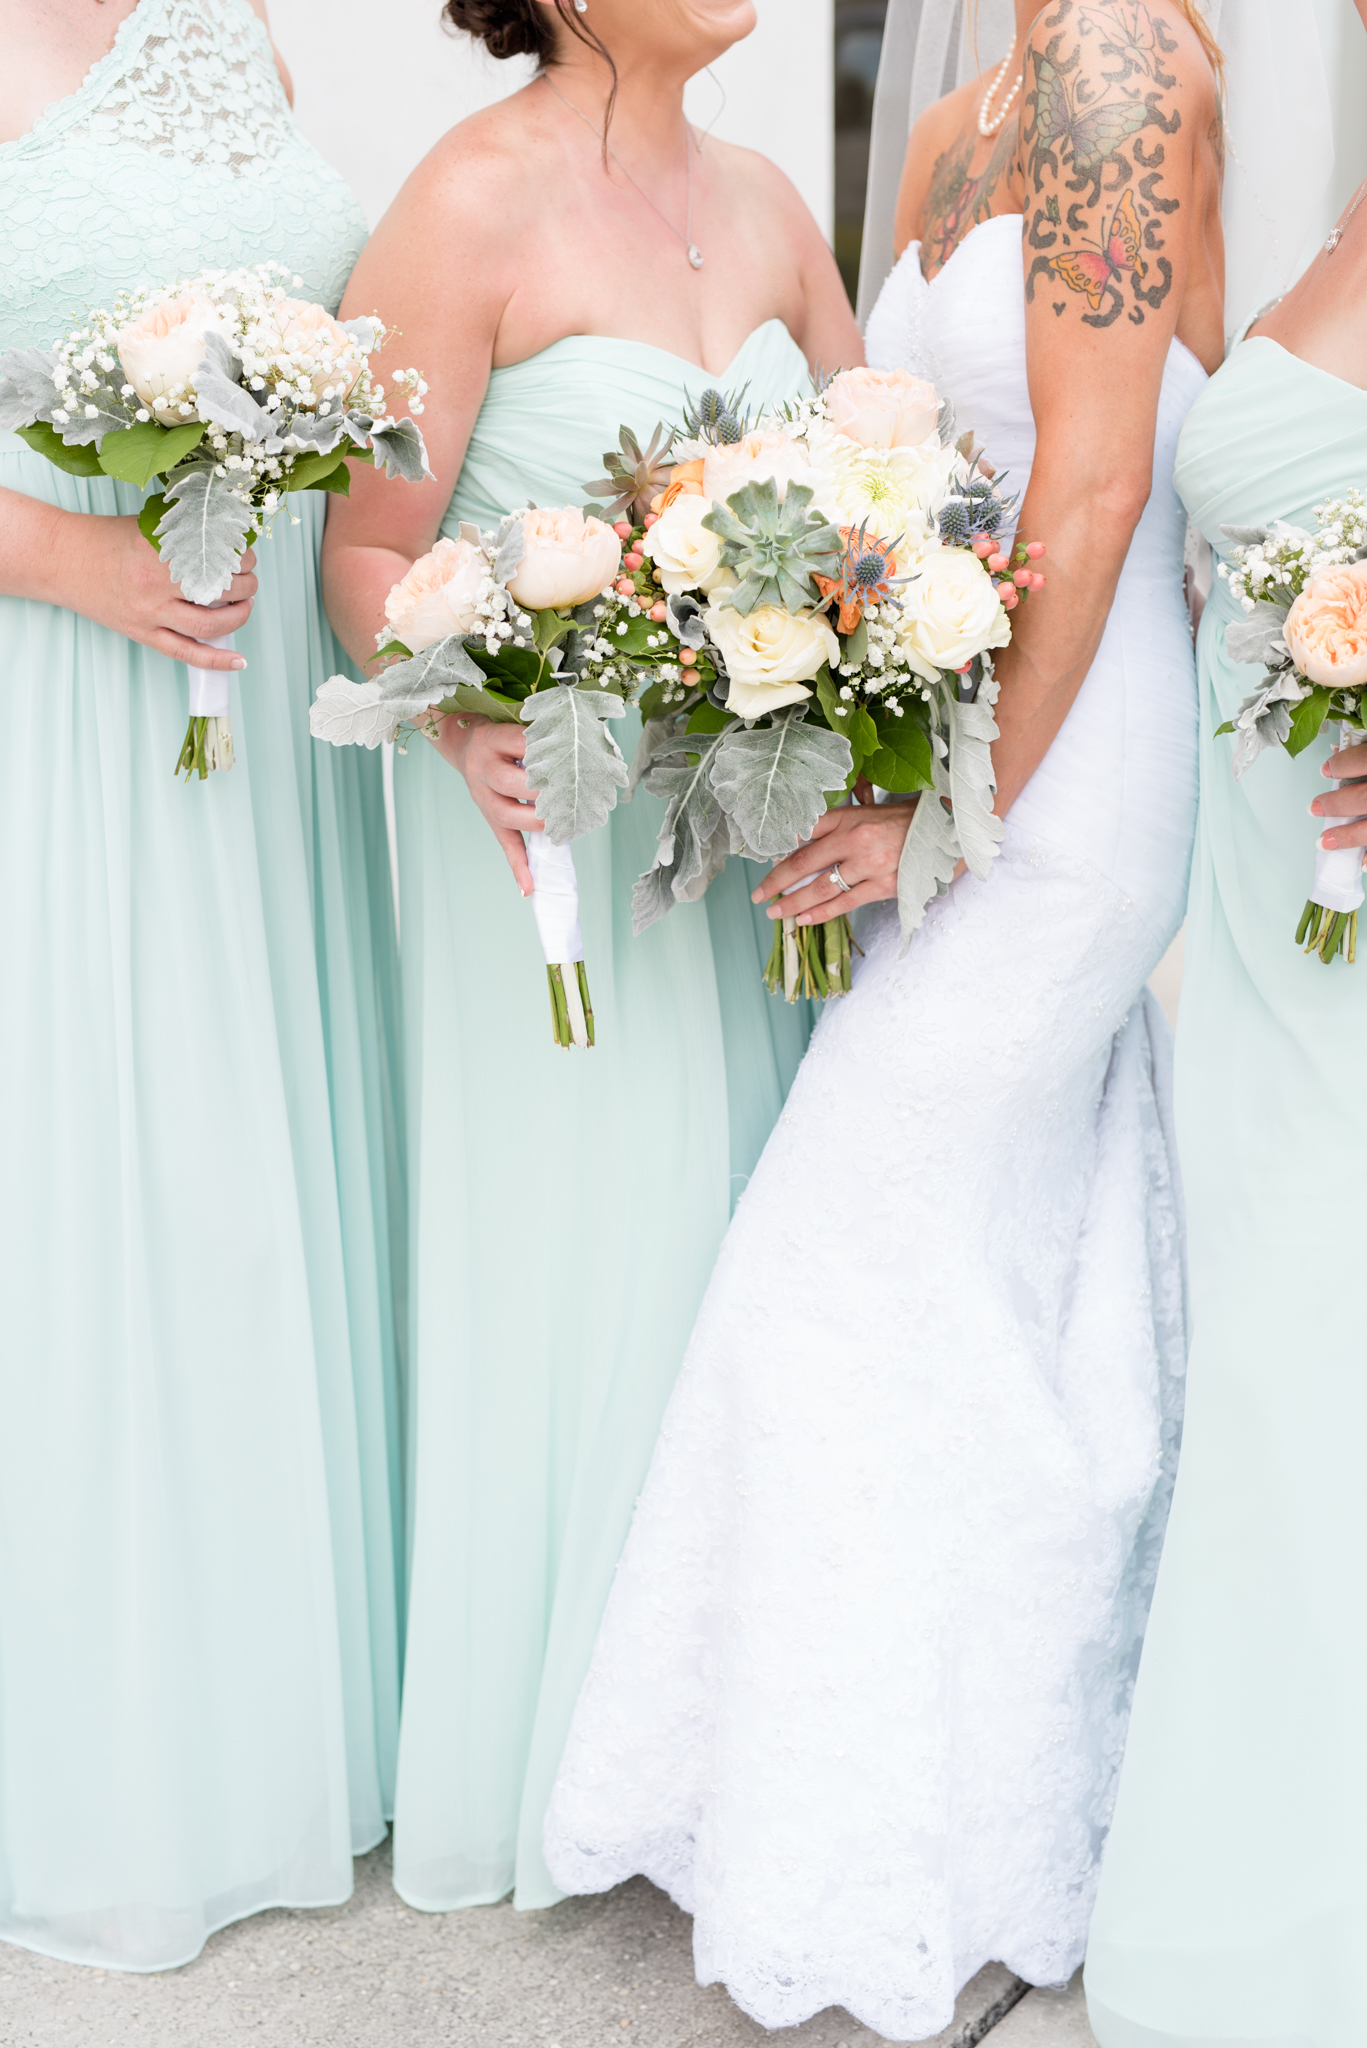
point(178, 153)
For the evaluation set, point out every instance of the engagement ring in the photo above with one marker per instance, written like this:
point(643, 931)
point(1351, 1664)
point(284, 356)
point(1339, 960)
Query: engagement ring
point(839, 879)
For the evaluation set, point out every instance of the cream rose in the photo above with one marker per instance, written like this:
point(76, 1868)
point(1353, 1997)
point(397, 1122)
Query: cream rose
point(322, 356)
point(1326, 627)
point(754, 459)
point(567, 559)
point(883, 408)
point(771, 655)
point(686, 553)
point(437, 596)
point(161, 351)
point(950, 611)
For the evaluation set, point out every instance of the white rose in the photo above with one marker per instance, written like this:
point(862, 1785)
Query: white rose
point(566, 560)
point(896, 492)
point(437, 596)
point(756, 458)
point(883, 408)
point(161, 350)
point(686, 553)
point(771, 655)
point(950, 611)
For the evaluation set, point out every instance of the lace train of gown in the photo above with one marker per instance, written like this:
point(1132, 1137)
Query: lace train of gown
point(860, 1693)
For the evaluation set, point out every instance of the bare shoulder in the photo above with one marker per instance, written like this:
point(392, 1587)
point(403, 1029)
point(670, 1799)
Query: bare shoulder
point(939, 128)
point(755, 183)
point(1117, 146)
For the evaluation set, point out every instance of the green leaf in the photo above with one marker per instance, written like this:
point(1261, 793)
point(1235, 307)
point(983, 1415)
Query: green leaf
point(1228, 726)
point(149, 519)
point(652, 700)
point(138, 453)
point(903, 761)
point(45, 440)
point(309, 470)
point(828, 697)
point(486, 703)
point(516, 668)
point(857, 645)
point(707, 718)
point(338, 480)
point(862, 734)
point(394, 647)
point(1306, 719)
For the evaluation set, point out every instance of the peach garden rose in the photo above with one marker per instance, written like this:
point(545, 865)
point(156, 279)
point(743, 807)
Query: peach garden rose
point(1326, 628)
point(438, 596)
point(882, 408)
point(567, 559)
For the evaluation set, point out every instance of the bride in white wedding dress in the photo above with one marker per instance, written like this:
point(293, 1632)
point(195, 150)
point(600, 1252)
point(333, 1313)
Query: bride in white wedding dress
point(860, 1692)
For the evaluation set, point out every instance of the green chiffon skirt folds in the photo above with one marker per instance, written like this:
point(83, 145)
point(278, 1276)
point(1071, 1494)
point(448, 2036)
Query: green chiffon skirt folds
point(566, 1206)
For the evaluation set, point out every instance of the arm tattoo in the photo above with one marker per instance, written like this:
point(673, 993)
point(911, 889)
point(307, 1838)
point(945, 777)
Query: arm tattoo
point(959, 198)
point(1097, 89)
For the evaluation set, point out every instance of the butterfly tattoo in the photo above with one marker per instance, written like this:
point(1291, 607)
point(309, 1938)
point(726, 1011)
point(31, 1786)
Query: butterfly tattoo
point(1095, 270)
point(1089, 134)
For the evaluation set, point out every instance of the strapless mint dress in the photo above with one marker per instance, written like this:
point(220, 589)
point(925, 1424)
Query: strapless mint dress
point(1233, 1902)
point(198, 1604)
point(567, 1207)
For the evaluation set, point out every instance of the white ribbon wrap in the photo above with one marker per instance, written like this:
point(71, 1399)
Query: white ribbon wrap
point(555, 900)
point(1338, 875)
point(211, 689)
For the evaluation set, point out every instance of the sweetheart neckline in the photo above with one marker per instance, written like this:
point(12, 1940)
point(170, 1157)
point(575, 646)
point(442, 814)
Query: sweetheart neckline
point(622, 341)
point(1344, 383)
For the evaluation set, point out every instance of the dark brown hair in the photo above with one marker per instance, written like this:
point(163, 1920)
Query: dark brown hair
point(523, 28)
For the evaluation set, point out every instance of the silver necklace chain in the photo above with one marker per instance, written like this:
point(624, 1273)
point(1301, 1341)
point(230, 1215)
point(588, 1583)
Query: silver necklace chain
point(1335, 235)
point(686, 236)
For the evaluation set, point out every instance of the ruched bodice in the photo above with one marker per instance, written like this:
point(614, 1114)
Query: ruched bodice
point(1132, 724)
point(178, 153)
point(545, 422)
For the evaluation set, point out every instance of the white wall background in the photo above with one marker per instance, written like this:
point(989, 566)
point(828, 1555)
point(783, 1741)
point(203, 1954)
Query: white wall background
point(374, 119)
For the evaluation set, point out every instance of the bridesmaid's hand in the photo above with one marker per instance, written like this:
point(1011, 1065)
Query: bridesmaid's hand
point(1348, 802)
point(864, 838)
point(489, 756)
point(113, 576)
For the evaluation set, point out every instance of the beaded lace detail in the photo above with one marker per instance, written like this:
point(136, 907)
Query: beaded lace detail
point(201, 86)
point(178, 153)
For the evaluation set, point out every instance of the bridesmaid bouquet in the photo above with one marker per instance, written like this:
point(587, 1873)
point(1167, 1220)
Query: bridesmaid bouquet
point(827, 586)
point(499, 625)
point(1304, 596)
point(226, 394)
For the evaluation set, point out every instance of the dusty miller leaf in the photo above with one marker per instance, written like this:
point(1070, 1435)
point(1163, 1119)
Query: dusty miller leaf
point(1257, 636)
point(510, 545)
point(694, 838)
point(351, 714)
point(400, 447)
point(202, 532)
point(572, 760)
point(972, 784)
point(27, 392)
point(929, 857)
point(220, 397)
point(773, 779)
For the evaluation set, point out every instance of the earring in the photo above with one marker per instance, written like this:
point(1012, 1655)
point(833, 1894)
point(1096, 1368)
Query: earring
point(581, 6)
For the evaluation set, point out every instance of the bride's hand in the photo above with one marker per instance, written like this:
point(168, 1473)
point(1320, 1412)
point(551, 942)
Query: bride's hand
point(489, 756)
point(864, 839)
point(1347, 803)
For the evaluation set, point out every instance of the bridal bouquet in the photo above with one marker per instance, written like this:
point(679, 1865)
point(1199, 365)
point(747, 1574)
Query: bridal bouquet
point(499, 625)
point(1304, 596)
point(808, 599)
point(227, 394)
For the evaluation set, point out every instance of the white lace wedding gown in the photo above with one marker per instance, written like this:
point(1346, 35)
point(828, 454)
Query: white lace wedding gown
point(860, 1692)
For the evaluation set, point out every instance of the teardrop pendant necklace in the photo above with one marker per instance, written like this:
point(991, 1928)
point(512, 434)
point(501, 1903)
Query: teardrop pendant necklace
point(1335, 235)
point(686, 237)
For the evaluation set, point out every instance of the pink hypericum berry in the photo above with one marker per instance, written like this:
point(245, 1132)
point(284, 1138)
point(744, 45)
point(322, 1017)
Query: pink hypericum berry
point(659, 613)
point(632, 561)
point(625, 587)
point(1023, 579)
point(1036, 581)
point(1012, 601)
point(623, 529)
point(652, 519)
point(996, 563)
point(687, 656)
point(1034, 548)
point(984, 547)
point(1005, 590)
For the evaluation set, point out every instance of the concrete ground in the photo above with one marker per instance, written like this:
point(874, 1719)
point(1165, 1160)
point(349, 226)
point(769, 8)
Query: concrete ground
point(375, 1974)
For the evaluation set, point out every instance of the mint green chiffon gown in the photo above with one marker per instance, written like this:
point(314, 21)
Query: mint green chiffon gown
point(566, 1207)
point(199, 1612)
point(1233, 1902)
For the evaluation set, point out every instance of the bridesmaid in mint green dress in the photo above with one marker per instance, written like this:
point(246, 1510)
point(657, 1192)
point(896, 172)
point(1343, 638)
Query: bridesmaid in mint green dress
point(566, 1206)
point(1233, 1902)
point(198, 1603)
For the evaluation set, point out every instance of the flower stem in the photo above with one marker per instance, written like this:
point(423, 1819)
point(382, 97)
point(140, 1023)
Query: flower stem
point(1330, 933)
point(571, 1009)
point(208, 744)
